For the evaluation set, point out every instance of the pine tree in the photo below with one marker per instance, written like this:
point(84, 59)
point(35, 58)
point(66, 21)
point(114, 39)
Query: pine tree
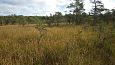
point(78, 9)
point(97, 9)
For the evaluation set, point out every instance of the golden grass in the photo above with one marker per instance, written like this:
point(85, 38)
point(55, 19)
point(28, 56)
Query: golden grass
point(18, 45)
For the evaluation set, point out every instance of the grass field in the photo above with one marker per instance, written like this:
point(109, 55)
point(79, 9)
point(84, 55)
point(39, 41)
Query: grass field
point(64, 45)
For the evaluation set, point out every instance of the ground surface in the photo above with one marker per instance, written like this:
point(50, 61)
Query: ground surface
point(72, 45)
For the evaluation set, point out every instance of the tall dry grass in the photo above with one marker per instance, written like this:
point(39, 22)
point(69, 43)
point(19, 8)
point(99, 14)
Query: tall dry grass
point(65, 45)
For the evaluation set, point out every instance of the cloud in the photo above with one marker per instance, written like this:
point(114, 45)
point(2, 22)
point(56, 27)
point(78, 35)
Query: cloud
point(109, 4)
point(41, 7)
point(87, 5)
point(31, 7)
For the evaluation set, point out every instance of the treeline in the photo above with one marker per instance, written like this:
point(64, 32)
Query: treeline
point(58, 18)
point(22, 20)
point(76, 15)
point(84, 18)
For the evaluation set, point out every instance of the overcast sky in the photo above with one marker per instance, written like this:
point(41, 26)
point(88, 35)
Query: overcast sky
point(42, 7)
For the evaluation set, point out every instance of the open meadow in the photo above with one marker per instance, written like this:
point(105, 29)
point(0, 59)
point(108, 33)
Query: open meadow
point(63, 45)
point(57, 32)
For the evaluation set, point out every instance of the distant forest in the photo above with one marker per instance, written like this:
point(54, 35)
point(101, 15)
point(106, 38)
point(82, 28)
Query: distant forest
point(98, 14)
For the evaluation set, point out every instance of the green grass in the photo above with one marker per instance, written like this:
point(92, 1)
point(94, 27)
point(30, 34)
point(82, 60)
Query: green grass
point(65, 45)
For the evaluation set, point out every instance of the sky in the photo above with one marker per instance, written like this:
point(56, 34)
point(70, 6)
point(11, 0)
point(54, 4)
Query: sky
point(42, 7)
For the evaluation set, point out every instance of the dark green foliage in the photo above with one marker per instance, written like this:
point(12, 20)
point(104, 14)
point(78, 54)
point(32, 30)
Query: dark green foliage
point(69, 18)
point(76, 16)
point(78, 10)
point(5, 20)
point(97, 10)
point(55, 19)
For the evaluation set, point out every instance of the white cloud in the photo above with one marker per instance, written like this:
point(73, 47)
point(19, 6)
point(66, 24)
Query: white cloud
point(110, 4)
point(42, 7)
point(87, 5)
